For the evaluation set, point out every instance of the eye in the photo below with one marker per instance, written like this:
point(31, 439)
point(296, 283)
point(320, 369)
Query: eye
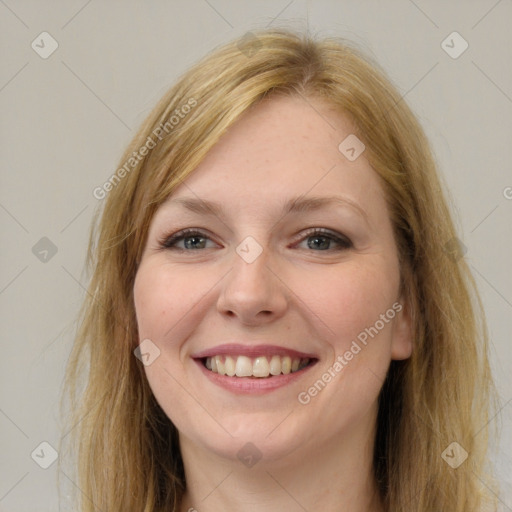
point(319, 239)
point(322, 239)
point(193, 239)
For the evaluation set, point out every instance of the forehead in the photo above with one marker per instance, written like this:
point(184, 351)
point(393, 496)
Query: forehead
point(283, 147)
point(282, 130)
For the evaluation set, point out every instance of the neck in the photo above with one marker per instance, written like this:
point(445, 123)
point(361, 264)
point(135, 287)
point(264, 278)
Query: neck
point(332, 476)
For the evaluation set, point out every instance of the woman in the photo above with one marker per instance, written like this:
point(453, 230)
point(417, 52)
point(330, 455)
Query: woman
point(279, 315)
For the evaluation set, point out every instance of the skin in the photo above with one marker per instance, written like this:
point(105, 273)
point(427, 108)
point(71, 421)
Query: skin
point(315, 456)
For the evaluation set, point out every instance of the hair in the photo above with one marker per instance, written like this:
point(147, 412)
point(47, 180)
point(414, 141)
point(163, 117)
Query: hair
point(128, 450)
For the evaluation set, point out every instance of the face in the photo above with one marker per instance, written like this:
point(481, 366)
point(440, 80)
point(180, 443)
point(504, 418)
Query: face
point(278, 312)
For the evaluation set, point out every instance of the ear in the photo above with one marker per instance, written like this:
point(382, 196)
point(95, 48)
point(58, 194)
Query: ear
point(401, 343)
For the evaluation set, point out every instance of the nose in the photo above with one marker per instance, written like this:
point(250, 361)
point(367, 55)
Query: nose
point(252, 292)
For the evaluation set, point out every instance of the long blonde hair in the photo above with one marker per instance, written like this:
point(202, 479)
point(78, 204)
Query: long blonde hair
point(128, 450)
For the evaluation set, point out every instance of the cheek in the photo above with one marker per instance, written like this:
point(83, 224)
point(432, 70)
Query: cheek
point(163, 297)
point(150, 302)
point(161, 306)
point(351, 298)
point(351, 302)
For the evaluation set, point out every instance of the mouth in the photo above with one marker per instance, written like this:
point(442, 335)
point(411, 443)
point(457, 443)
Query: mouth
point(261, 367)
point(253, 368)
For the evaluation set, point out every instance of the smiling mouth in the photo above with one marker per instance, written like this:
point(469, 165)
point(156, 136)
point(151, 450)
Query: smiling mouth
point(261, 367)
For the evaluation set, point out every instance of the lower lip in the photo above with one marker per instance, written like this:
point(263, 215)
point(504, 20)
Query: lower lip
point(253, 385)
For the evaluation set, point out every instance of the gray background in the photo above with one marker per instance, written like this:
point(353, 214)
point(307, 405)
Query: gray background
point(67, 118)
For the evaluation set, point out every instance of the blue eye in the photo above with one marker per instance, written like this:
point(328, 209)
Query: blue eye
point(193, 240)
point(321, 239)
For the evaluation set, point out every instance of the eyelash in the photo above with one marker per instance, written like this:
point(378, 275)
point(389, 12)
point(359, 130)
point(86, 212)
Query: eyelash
point(170, 241)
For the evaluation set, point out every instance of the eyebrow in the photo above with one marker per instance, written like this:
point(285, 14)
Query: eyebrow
point(300, 204)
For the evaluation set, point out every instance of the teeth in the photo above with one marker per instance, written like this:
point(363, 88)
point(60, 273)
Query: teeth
point(229, 366)
point(243, 367)
point(261, 367)
point(275, 365)
point(220, 365)
point(286, 364)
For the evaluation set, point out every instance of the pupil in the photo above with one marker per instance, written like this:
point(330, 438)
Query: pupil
point(191, 245)
point(323, 245)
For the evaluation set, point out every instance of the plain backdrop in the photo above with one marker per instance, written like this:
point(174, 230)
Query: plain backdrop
point(67, 118)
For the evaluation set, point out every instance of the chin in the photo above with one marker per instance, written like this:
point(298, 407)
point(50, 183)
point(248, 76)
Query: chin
point(256, 436)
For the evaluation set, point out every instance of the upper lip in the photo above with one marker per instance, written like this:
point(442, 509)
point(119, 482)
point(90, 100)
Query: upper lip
point(251, 351)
